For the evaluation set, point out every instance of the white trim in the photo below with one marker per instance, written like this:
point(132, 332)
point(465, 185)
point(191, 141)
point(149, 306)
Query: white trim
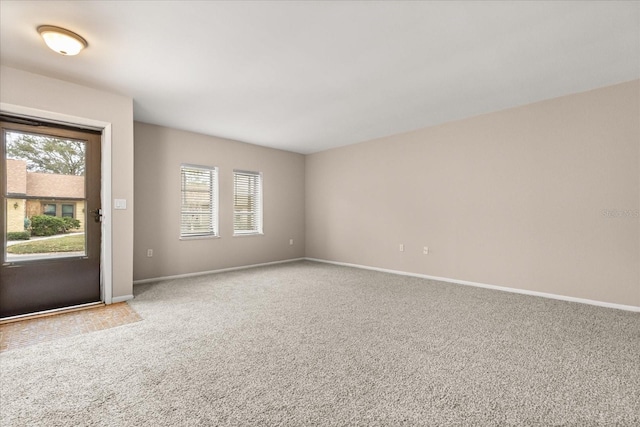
point(222, 270)
point(199, 237)
point(123, 298)
point(106, 273)
point(106, 266)
point(483, 285)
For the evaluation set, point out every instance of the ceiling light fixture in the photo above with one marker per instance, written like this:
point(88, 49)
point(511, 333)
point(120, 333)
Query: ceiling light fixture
point(62, 41)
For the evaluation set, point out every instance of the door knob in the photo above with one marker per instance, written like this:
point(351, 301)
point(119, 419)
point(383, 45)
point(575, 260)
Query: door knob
point(97, 215)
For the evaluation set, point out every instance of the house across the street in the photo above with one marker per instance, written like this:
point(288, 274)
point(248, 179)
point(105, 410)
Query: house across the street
point(37, 193)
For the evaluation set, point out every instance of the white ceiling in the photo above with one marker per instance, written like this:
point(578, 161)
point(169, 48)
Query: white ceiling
point(307, 76)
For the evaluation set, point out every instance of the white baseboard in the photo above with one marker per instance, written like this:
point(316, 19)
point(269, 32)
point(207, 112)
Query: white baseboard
point(123, 298)
point(222, 270)
point(483, 285)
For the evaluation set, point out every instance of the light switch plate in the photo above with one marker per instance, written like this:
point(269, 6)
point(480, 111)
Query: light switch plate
point(120, 204)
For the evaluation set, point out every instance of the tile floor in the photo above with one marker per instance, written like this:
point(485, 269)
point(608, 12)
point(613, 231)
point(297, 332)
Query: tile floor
point(24, 333)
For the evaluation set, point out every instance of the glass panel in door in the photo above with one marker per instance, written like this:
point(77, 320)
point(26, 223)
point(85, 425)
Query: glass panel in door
point(45, 197)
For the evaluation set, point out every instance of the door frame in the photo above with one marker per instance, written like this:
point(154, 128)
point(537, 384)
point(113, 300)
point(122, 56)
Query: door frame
point(106, 266)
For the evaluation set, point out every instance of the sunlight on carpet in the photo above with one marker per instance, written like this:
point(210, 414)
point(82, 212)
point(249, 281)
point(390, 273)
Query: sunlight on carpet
point(33, 331)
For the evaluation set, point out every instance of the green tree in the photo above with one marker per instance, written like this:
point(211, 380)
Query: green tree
point(47, 154)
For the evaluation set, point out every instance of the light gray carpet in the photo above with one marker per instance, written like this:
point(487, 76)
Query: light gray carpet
point(314, 344)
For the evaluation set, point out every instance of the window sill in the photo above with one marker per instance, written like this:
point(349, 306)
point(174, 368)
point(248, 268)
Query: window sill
point(248, 234)
point(199, 237)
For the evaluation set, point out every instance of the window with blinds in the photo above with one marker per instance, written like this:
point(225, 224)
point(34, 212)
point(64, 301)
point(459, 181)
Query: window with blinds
point(247, 202)
point(199, 212)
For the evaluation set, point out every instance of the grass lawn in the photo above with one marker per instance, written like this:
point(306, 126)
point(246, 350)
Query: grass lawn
point(60, 244)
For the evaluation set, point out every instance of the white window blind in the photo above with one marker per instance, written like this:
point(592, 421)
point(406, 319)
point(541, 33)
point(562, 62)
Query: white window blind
point(199, 213)
point(247, 202)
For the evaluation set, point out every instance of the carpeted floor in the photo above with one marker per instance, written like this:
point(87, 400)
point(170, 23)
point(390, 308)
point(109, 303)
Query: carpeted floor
point(314, 344)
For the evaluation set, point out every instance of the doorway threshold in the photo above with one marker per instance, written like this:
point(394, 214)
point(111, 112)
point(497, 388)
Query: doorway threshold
point(52, 312)
point(97, 317)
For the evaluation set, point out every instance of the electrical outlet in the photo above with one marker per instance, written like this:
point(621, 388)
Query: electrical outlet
point(290, 242)
point(425, 250)
point(149, 253)
point(401, 247)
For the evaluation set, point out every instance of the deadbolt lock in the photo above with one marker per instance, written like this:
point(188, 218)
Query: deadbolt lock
point(97, 215)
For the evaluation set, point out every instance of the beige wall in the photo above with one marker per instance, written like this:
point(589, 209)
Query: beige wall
point(34, 91)
point(160, 151)
point(15, 215)
point(543, 197)
point(79, 214)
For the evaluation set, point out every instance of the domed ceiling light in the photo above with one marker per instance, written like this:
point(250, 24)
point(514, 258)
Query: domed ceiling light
point(62, 41)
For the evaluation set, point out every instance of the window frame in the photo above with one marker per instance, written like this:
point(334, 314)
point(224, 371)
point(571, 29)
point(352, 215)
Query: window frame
point(73, 210)
point(55, 209)
point(259, 220)
point(214, 203)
